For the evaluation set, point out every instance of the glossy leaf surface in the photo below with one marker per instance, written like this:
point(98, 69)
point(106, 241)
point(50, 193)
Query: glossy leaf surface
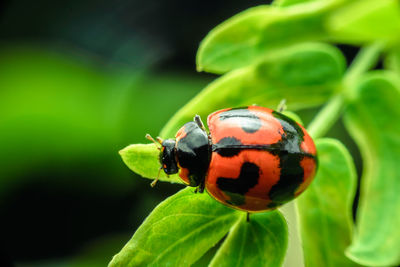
point(178, 231)
point(260, 31)
point(372, 120)
point(366, 21)
point(325, 208)
point(305, 75)
point(260, 242)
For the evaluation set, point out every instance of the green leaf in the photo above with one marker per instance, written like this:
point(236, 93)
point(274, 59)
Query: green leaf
point(392, 59)
point(178, 231)
point(372, 120)
point(366, 21)
point(260, 242)
point(285, 3)
point(261, 31)
point(143, 159)
point(325, 208)
point(293, 116)
point(305, 75)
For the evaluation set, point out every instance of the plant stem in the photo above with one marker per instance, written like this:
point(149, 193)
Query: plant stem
point(366, 58)
point(325, 119)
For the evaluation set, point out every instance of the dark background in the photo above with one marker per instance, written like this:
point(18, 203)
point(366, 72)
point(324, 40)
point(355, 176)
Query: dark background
point(79, 80)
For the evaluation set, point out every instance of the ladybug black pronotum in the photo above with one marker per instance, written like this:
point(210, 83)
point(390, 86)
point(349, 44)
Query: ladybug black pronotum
point(253, 159)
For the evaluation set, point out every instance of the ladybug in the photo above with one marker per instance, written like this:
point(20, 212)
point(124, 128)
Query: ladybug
point(253, 158)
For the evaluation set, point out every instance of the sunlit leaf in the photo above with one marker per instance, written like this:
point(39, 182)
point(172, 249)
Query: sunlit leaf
point(372, 120)
point(325, 208)
point(365, 21)
point(260, 31)
point(305, 75)
point(260, 242)
point(178, 231)
point(143, 159)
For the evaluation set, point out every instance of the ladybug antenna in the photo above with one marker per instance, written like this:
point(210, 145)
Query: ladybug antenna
point(282, 105)
point(158, 142)
point(156, 180)
point(198, 121)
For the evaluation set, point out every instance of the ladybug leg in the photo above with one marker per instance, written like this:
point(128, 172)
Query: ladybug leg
point(198, 121)
point(201, 187)
point(156, 180)
point(248, 217)
point(282, 105)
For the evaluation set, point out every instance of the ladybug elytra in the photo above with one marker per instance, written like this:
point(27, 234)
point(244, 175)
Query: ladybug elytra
point(253, 159)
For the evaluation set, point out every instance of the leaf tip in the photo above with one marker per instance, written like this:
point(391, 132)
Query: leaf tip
point(199, 67)
point(352, 254)
point(123, 152)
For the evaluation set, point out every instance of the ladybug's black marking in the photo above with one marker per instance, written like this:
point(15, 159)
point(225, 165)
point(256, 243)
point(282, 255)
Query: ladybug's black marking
point(227, 147)
point(237, 188)
point(290, 155)
point(193, 153)
point(290, 178)
point(290, 127)
point(248, 121)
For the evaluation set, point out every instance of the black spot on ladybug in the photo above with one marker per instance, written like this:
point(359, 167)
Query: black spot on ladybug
point(248, 178)
point(227, 147)
point(290, 155)
point(290, 178)
point(248, 121)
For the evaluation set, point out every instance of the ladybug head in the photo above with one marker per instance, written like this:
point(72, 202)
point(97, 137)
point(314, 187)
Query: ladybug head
point(168, 156)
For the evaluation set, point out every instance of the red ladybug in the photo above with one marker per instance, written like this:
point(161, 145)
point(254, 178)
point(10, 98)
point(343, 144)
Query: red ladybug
point(254, 159)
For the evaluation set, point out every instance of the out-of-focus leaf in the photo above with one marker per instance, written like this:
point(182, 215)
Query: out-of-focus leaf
point(143, 159)
point(95, 253)
point(66, 116)
point(294, 255)
point(365, 21)
point(305, 75)
point(392, 60)
point(178, 231)
point(260, 31)
point(260, 242)
point(325, 208)
point(372, 120)
point(285, 3)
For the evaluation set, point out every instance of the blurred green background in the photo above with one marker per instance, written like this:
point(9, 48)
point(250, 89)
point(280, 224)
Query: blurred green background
point(79, 80)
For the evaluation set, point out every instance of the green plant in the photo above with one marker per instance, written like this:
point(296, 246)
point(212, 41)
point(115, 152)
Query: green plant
point(286, 51)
